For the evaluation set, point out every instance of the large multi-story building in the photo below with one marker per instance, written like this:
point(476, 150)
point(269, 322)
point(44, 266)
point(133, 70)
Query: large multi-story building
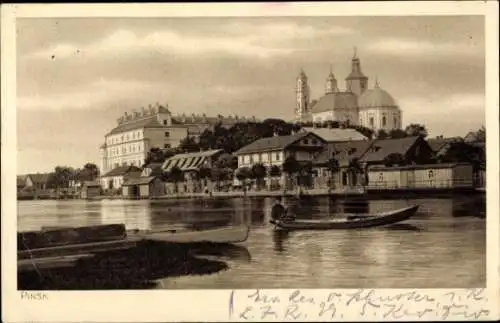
point(154, 127)
point(373, 108)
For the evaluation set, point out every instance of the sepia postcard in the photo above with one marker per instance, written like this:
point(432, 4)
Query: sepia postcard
point(203, 162)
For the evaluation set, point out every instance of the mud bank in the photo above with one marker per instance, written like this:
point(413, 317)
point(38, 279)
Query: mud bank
point(135, 268)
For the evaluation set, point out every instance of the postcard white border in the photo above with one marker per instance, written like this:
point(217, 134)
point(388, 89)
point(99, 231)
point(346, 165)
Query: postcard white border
point(209, 305)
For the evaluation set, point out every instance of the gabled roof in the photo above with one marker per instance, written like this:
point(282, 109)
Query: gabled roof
point(274, 143)
point(21, 180)
point(343, 152)
point(189, 161)
point(336, 134)
point(437, 144)
point(39, 178)
point(121, 170)
point(380, 149)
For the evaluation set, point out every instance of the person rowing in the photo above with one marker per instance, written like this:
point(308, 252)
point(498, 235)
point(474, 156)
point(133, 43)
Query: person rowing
point(279, 212)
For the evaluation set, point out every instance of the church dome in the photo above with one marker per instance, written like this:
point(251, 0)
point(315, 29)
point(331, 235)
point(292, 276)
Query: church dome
point(376, 98)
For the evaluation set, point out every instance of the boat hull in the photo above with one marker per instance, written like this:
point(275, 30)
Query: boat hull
point(352, 222)
point(233, 234)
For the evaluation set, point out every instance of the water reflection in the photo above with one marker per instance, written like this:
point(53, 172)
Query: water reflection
point(279, 240)
point(444, 239)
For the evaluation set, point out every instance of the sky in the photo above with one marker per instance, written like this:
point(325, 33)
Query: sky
point(76, 76)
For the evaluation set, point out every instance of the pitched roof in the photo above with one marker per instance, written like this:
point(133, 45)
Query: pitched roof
point(21, 180)
point(90, 184)
point(39, 178)
point(334, 101)
point(145, 122)
point(343, 152)
point(336, 134)
point(272, 143)
point(189, 161)
point(121, 170)
point(437, 144)
point(380, 149)
point(138, 181)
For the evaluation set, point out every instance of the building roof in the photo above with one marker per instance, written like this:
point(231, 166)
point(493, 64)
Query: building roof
point(150, 121)
point(333, 101)
point(336, 134)
point(121, 170)
point(272, 143)
point(376, 97)
point(437, 144)
point(39, 178)
point(189, 161)
point(380, 149)
point(90, 184)
point(343, 152)
point(21, 180)
point(138, 181)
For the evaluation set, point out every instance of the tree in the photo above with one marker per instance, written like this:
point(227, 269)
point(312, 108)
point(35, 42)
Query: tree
point(275, 171)
point(89, 172)
point(291, 168)
point(175, 175)
point(461, 152)
point(416, 129)
point(481, 134)
point(189, 145)
point(258, 172)
point(61, 177)
point(397, 134)
point(333, 167)
point(242, 174)
point(382, 134)
point(367, 132)
point(155, 155)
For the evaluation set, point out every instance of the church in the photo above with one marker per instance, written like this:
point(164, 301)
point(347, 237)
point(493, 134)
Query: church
point(357, 105)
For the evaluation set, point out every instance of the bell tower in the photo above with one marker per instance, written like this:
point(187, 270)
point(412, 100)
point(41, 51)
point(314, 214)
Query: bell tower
point(356, 81)
point(303, 97)
point(331, 83)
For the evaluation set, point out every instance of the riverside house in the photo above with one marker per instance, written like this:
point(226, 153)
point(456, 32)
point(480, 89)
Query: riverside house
point(272, 152)
point(117, 176)
point(192, 178)
point(430, 176)
point(356, 158)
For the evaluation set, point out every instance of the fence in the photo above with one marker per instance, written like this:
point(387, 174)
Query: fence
point(423, 184)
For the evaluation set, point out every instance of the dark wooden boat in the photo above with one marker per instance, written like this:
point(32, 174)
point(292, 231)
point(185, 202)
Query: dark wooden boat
point(350, 221)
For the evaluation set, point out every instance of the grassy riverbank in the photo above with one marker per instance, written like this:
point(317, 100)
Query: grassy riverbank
point(135, 268)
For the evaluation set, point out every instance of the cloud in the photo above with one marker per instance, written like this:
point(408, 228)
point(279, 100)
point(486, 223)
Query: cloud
point(261, 41)
point(88, 96)
point(407, 47)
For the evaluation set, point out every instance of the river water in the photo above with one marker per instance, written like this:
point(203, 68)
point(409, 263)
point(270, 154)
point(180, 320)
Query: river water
point(443, 246)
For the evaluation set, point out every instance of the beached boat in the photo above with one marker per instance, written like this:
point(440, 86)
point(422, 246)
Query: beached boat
point(230, 234)
point(349, 221)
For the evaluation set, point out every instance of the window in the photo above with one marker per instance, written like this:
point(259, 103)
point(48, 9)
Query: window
point(166, 146)
point(431, 174)
point(371, 122)
point(167, 134)
point(165, 122)
point(314, 142)
point(251, 159)
point(384, 121)
point(395, 122)
point(306, 141)
point(278, 156)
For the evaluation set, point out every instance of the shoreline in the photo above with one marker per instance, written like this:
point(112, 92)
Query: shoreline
point(360, 192)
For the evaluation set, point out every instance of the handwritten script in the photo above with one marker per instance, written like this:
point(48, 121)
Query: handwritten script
point(469, 304)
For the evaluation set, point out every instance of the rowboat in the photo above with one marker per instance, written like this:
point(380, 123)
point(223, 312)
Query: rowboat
point(230, 234)
point(349, 221)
